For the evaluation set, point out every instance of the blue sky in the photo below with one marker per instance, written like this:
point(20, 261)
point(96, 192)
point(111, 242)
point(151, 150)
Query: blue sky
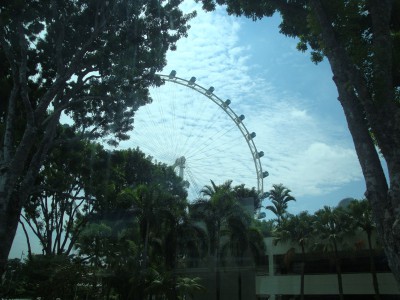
point(288, 101)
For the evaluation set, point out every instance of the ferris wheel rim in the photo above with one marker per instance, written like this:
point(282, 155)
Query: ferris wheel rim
point(237, 119)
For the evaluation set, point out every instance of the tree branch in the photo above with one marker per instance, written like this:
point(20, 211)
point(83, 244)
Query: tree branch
point(27, 239)
point(36, 232)
point(75, 64)
point(381, 116)
point(12, 101)
point(60, 25)
point(23, 77)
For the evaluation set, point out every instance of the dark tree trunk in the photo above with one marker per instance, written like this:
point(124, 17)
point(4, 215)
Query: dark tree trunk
point(240, 285)
point(373, 267)
point(338, 272)
point(9, 218)
point(303, 265)
point(380, 114)
point(217, 264)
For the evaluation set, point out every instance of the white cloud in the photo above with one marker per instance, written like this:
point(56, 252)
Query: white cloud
point(299, 114)
point(320, 169)
point(302, 151)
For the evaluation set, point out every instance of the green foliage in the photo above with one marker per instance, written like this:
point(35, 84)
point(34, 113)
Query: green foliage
point(50, 277)
point(89, 63)
point(266, 227)
point(62, 202)
point(279, 196)
point(14, 282)
point(332, 225)
point(242, 192)
point(103, 53)
point(296, 229)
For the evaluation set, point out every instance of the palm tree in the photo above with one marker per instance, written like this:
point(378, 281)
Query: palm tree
point(221, 213)
point(180, 237)
point(244, 237)
point(361, 214)
point(155, 208)
point(213, 189)
point(331, 226)
point(192, 241)
point(296, 229)
point(243, 193)
point(147, 202)
point(279, 196)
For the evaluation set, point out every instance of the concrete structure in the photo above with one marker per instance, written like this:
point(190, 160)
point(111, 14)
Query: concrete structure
point(276, 283)
point(278, 278)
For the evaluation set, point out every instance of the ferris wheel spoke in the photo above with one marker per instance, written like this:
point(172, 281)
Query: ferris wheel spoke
point(210, 143)
point(193, 181)
point(188, 127)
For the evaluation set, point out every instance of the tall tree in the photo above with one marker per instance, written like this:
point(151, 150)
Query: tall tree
point(361, 40)
point(61, 203)
point(279, 196)
point(222, 214)
point(90, 60)
point(297, 229)
point(331, 226)
point(244, 193)
point(361, 214)
point(244, 240)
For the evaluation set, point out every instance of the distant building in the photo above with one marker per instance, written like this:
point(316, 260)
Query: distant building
point(277, 276)
point(282, 278)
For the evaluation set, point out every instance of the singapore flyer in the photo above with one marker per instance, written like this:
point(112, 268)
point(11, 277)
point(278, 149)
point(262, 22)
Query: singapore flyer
point(188, 127)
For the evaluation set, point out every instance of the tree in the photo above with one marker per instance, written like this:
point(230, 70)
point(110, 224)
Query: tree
point(361, 215)
point(133, 232)
point(279, 196)
point(50, 277)
point(222, 215)
point(297, 229)
point(244, 239)
point(60, 204)
point(90, 60)
point(331, 226)
point(243, 193)
point(13, 284)
point(361, 41)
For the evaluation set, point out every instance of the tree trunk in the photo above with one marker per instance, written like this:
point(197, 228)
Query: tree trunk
point(373, 268)
point(362, 114)
point(146, 245)
point(338, 271)
point(303, 265)
point(240, 285)
point(217, 264)
point(9, 218)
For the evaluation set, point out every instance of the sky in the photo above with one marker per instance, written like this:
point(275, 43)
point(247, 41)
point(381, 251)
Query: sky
point(288, 101)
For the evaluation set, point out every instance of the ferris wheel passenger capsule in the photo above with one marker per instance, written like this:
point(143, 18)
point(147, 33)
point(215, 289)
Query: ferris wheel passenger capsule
point(210, 90)
point(172, 74)
point(192, 81)
point(227, 102)
point(251, 135)
point(240, 118)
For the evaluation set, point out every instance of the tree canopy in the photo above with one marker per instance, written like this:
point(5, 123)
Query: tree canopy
point(92, 61)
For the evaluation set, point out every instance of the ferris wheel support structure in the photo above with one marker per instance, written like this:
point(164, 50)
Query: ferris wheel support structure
point(238, 120)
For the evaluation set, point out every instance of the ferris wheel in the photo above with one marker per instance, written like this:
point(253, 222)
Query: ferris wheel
point(188, 127)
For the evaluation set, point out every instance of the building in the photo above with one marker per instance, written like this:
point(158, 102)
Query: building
point(282, 279)
point(277, 277)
